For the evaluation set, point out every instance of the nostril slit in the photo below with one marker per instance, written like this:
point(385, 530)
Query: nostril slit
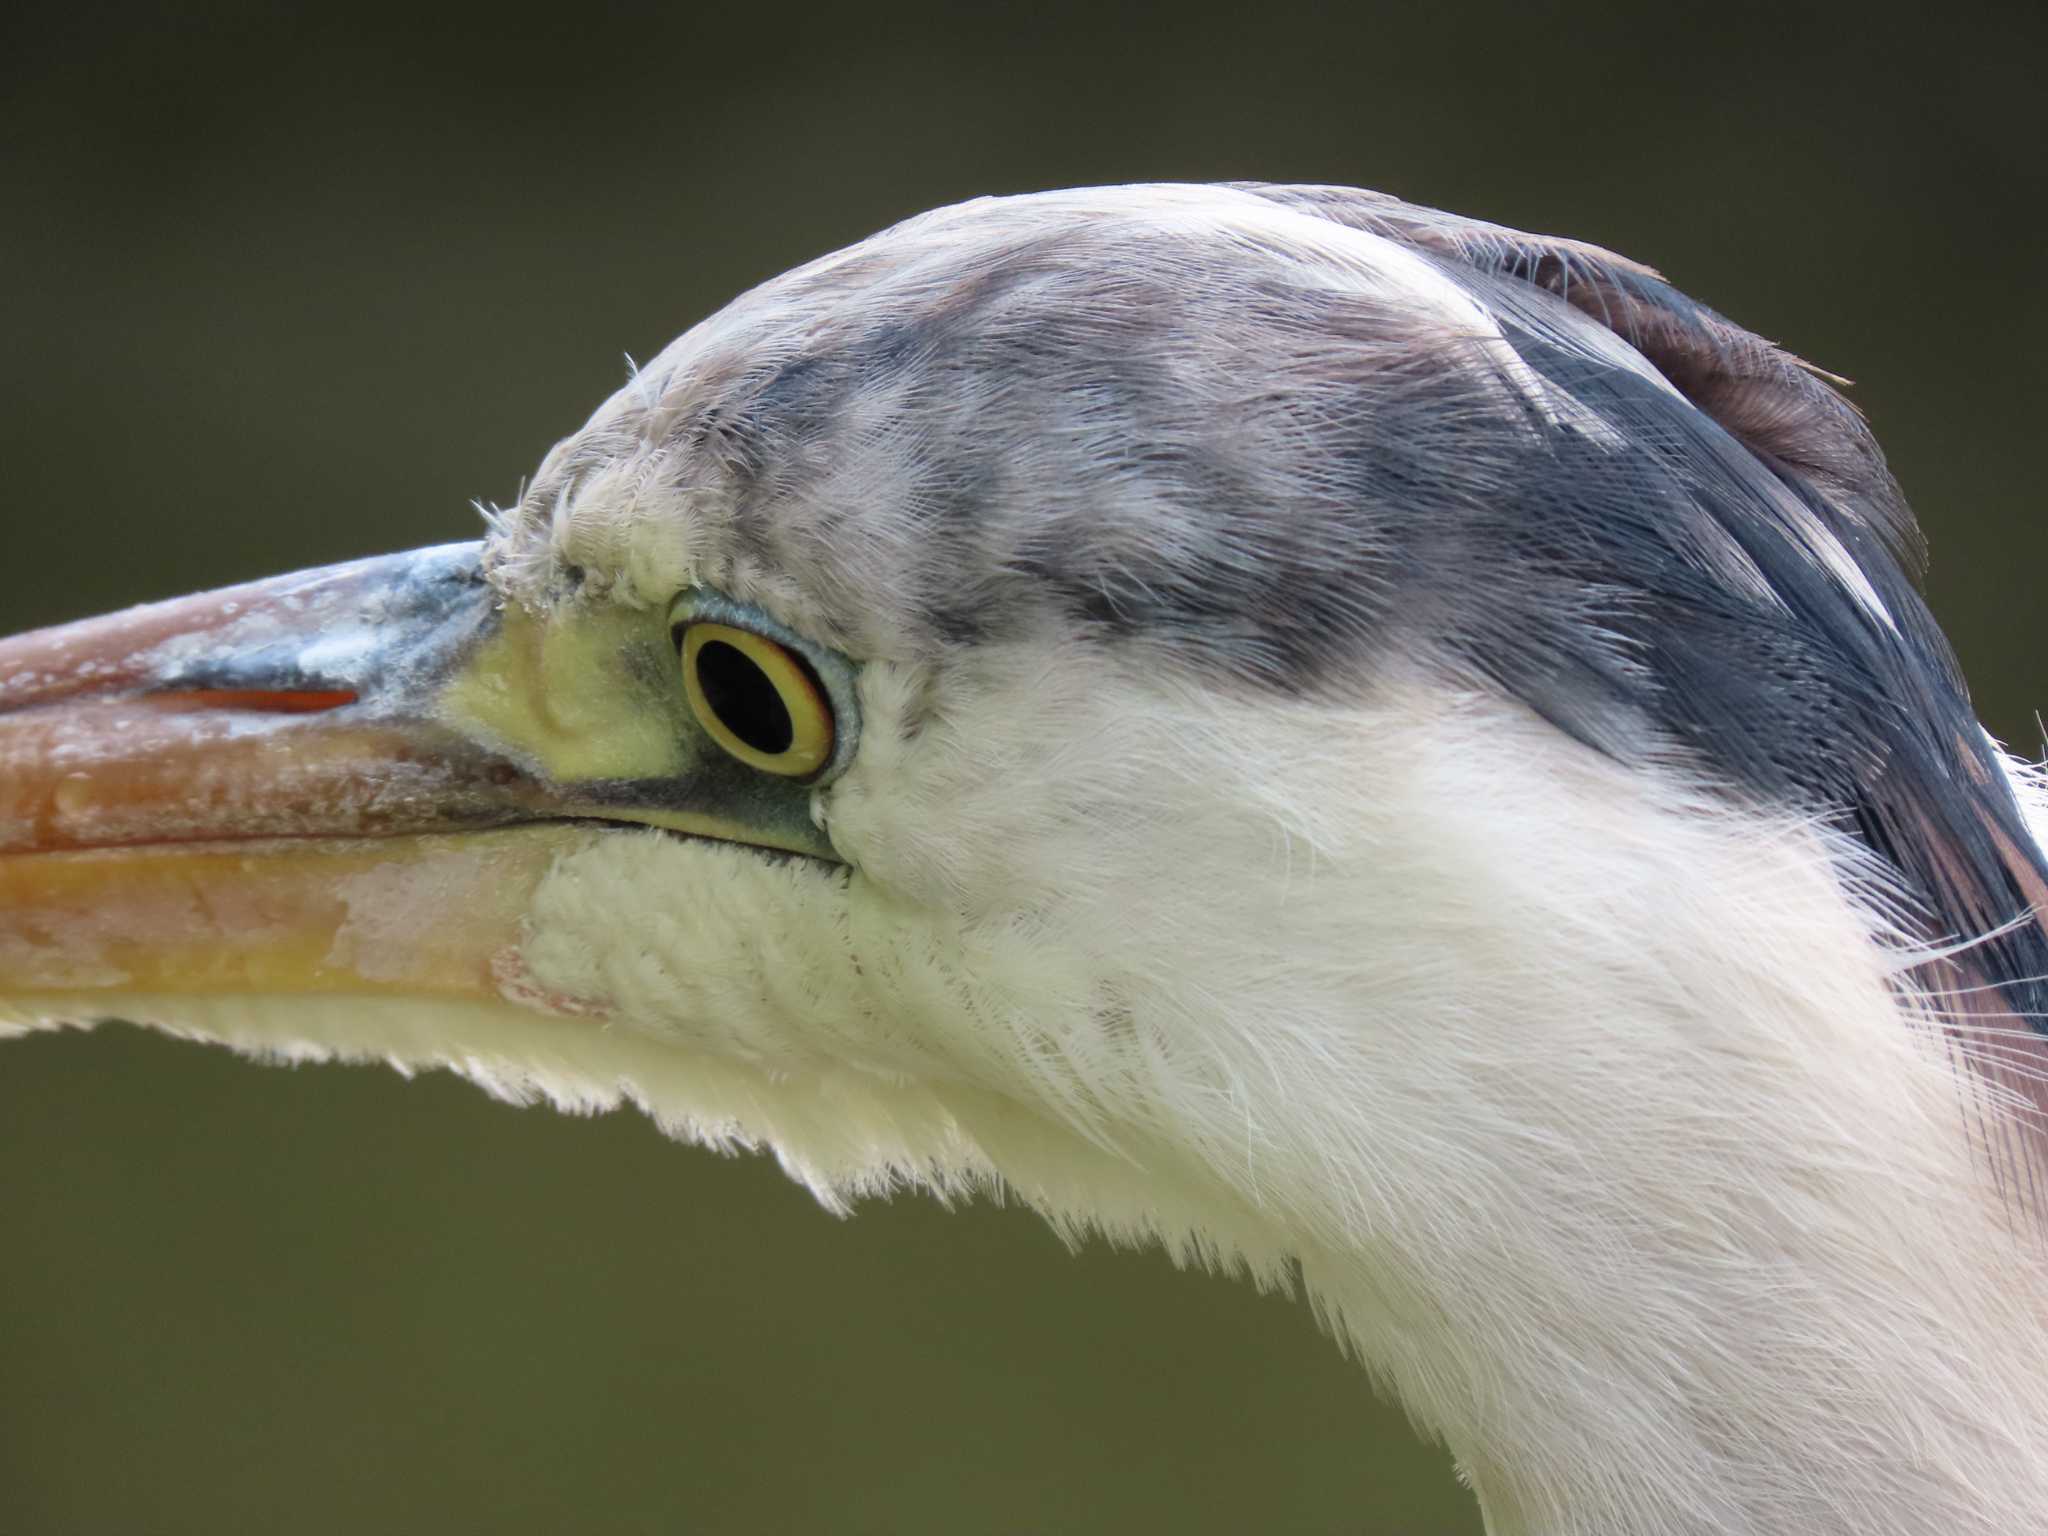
point(266, 701)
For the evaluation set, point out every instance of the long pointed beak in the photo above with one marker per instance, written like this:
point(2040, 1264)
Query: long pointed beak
point(257, 790)
point(303, 706)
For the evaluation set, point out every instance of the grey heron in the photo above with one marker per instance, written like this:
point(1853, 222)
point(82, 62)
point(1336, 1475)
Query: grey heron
point(1343, 740)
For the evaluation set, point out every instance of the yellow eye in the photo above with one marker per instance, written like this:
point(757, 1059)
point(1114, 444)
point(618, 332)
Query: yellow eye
point(757, 700)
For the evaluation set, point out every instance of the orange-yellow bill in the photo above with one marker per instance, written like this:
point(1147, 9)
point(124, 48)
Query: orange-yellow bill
point(261, 791)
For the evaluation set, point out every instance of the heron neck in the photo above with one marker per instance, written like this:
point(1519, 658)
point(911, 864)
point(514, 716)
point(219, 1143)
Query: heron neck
point(1766, 1285)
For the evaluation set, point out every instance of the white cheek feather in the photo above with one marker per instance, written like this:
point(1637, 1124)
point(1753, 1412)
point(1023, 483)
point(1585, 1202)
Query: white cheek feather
point(1514, 1052)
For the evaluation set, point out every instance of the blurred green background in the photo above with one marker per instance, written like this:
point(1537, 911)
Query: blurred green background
point(282, 291)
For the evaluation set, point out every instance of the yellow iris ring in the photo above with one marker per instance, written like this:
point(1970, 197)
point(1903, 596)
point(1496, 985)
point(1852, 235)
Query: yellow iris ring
point(810, 715)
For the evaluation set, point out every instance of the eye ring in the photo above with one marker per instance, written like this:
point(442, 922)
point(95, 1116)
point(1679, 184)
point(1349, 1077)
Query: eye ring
point(757, 699)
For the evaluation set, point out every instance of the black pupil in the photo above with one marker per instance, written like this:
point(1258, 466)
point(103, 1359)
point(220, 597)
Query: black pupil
point(743, 698)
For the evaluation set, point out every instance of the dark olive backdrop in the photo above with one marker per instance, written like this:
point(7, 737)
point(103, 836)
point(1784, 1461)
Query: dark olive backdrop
point(278, 293)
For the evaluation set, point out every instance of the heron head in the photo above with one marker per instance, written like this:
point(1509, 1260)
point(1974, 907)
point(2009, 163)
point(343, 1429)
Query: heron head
point(1141, 693)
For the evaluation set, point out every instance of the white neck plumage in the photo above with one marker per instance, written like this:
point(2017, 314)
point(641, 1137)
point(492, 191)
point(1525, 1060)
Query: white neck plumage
point(1673, 1217)
point(1587, 1104)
